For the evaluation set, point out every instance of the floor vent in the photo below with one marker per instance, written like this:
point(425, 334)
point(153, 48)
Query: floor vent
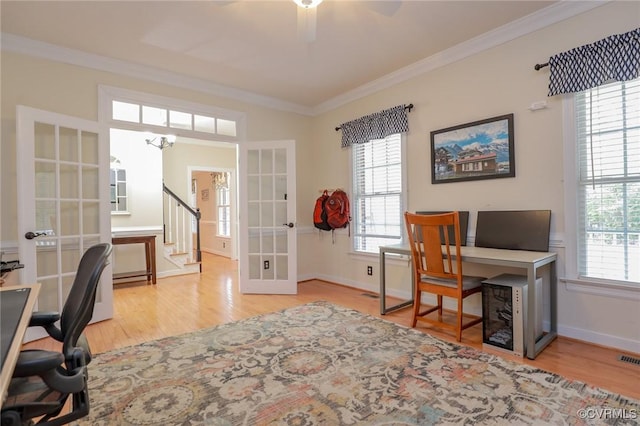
point(373, 296)
point(629, 359)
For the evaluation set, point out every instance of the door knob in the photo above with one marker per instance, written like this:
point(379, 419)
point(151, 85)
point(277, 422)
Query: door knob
point(31, 235)
point(290, 224)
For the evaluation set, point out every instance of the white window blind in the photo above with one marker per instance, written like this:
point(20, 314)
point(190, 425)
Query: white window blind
point(608, 149)
point(377, 204)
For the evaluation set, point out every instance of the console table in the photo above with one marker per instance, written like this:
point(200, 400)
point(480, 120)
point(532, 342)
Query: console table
point(149, 242)
point(530, 261)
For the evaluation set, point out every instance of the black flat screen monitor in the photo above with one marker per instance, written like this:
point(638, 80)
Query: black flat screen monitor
point(464, 225)
point(514, 229)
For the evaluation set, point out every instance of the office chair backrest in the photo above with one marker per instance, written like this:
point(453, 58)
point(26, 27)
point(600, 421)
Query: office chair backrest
point(78, 309)
point(425, 233)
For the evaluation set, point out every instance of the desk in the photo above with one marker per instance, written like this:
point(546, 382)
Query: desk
point(149, 242)
point(528, 260)
point(17, 304)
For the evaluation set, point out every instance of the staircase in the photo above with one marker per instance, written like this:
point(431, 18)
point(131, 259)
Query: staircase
point(181, 233)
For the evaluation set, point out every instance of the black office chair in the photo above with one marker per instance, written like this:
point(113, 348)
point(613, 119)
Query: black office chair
point(43, 380)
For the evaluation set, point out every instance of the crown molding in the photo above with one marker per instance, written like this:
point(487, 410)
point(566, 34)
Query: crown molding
point(520, 27)
point(530, 23)
point(39, 49)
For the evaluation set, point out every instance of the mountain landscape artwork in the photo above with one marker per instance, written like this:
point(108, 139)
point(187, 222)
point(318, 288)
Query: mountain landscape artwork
point(479, 150)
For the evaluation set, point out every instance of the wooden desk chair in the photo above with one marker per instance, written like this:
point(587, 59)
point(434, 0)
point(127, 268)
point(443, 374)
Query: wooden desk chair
point(434, 271)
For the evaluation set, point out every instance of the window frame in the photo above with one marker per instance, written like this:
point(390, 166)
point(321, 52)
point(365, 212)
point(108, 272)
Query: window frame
point(572, 278)
point(403, 197)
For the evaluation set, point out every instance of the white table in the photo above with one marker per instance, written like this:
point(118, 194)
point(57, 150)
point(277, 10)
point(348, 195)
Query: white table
point(530, 261)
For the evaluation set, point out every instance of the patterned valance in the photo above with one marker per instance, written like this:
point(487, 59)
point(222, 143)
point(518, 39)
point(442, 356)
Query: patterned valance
point(375, 126)
point(613, 58)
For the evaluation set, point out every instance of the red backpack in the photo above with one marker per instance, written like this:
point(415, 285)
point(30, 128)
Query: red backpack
point(320, 213)
point(337, 208)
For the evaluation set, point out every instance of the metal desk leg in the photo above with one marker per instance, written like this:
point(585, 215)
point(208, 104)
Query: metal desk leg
point(383, 309)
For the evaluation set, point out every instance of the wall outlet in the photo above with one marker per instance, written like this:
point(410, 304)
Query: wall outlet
point(369, 270)
point(224, 244)
point(266, 264)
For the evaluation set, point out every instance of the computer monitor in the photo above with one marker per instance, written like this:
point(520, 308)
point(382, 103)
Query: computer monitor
point(514, 229)
point(464, 225)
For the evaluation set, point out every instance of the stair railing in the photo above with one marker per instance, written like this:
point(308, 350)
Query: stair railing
point(177, 224)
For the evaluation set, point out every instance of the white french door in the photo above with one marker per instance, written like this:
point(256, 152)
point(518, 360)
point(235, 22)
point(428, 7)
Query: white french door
point(63, 204)
point(267, 216)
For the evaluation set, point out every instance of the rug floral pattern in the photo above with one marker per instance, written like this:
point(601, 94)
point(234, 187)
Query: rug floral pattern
point(321, 364)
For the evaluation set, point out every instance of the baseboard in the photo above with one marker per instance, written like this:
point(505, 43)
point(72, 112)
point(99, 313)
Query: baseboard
point(587, 336)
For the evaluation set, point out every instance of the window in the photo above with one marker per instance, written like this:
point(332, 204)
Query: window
point(224, 212)
point(118, 184)
point(378, 193)
point(608, 179)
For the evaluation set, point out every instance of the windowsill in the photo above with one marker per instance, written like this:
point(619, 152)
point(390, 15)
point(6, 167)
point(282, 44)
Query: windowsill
point(120, 214)
point(617, 289)
point(390, 258)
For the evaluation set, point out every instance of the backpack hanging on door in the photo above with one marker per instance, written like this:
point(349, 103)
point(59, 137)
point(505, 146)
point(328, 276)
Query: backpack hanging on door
point(338, 211)
point(320, 213)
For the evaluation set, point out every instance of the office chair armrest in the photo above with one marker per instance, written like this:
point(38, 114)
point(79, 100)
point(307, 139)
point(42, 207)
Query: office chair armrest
point(47, 321)
point(36, 362)
point(43, 319)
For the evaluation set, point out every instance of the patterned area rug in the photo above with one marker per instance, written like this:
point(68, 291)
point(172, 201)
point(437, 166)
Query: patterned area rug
point(321, 364)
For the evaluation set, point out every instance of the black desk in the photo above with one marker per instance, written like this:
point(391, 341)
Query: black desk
point(16, 305)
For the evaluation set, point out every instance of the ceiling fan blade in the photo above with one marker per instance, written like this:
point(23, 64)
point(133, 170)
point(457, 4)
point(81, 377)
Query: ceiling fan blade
point(307, 24)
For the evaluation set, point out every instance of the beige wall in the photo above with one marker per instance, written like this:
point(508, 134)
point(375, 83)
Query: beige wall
point(495, 82)
point(498, 81)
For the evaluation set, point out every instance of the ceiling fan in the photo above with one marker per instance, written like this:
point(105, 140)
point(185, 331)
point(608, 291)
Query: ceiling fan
point(307, 18)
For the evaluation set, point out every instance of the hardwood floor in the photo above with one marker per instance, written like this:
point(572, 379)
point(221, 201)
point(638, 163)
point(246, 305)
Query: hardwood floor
point(186, 303)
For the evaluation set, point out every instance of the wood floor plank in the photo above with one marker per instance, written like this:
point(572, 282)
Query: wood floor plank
point(186, 303)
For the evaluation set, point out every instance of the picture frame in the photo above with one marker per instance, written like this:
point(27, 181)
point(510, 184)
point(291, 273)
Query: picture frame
point(478, 150)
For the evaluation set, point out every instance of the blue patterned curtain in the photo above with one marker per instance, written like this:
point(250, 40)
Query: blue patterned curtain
point(613, 58)
point(375, 126)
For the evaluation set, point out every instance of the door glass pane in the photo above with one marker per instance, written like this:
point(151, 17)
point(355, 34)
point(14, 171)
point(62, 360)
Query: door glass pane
point(45, 143)
point(45, 179)
point(253, 188)
point(48, 297)
point(255, 266)
point(91, 217)
point(267, 214)
point(253, 214)
point(89, 147)
point(266, 188)
point(69, 218)
point(282, 267)
point(70, 254)
point(46, 217)
point(90, 183)
point(266, 161)
point(281, 213)
point(254, 242)
point(46, 260)
point(67, 283)
point(282, 242)
point(69, 181)
point(68, 144)
point(267, 242)
point(281, 187)
point(253, 163)
point(280, 160)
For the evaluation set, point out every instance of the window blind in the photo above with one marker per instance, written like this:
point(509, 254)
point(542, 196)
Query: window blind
point(608, 152)
point(377, 204)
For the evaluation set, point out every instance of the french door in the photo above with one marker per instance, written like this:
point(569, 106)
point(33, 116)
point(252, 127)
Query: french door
point(63, 204)
point(267, 216)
